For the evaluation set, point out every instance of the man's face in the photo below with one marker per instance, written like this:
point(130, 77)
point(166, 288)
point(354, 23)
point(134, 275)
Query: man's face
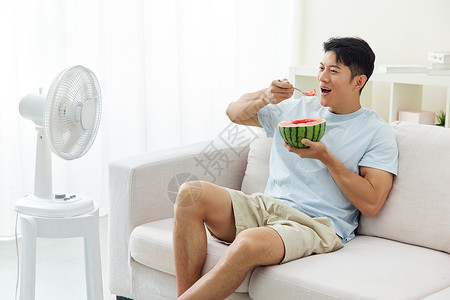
point(336, 89)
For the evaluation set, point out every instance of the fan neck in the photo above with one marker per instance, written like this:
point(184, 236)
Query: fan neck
point(43, 170)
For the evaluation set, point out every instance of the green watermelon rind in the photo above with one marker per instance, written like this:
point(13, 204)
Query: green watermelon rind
point(292, 135)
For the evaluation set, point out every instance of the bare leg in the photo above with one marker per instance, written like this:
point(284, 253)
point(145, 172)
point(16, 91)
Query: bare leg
point(251, 248)
point(198, 203)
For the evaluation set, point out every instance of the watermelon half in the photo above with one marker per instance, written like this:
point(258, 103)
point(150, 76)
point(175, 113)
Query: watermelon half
point(293, 131)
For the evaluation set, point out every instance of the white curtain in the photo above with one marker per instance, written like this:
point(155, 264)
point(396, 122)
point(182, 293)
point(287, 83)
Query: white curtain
point(167, 70)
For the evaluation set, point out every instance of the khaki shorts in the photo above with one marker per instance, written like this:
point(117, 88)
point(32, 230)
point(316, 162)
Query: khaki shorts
point(302, 235)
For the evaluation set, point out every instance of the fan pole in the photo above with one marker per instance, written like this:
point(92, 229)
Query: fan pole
point(43, 171)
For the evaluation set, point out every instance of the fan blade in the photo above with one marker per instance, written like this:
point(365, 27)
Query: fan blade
point(75, 135)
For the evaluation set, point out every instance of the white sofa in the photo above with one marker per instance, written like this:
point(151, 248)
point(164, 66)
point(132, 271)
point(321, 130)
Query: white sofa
point(402, 253)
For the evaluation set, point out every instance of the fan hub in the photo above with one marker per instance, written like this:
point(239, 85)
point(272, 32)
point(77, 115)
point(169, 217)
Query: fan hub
point(88, 114)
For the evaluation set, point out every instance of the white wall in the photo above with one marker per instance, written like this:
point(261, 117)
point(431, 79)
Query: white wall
point(399, 32)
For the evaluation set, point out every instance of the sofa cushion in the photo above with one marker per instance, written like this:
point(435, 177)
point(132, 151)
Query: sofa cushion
point(417, 210)
point(441, 295)
point(151, 245)
point(257, 171)
point(366, 268)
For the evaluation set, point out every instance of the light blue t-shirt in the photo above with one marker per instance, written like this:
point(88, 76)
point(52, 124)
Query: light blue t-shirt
point(357, 139)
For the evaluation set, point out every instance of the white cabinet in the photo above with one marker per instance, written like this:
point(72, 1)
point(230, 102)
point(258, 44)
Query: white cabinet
point(405, 90)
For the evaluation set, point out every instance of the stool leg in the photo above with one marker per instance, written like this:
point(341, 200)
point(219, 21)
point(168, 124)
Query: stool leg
point(93, 266)
point(28, 264)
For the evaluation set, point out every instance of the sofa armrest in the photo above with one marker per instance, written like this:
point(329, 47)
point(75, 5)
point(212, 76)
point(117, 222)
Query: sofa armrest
point(139, 193)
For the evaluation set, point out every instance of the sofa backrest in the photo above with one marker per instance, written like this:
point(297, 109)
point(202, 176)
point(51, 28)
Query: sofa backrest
point(417, 210)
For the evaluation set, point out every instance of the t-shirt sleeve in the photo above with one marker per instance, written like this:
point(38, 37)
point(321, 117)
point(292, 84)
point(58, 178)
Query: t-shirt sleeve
point(270, 115)
point(382, 152)
point(265, 117)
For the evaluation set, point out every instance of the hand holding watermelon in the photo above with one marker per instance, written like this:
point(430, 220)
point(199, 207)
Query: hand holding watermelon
point(314, 150)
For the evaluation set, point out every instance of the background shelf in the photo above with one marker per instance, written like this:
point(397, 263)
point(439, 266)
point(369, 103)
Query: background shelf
point(405, 90)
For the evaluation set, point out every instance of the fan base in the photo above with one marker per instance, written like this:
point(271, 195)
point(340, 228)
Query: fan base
point(54, 206)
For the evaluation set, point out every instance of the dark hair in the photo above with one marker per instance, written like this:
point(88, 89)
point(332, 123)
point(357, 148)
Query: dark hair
point(353, 52)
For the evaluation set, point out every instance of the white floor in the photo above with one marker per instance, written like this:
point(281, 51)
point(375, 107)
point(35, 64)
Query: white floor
point(59, 267)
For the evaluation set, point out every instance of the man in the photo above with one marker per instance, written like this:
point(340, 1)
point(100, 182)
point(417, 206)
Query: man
point(313, 196)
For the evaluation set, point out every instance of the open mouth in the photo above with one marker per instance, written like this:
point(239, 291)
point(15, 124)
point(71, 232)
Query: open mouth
point(325, 91)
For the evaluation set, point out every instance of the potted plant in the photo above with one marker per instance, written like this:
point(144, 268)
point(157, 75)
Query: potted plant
point(440, 116)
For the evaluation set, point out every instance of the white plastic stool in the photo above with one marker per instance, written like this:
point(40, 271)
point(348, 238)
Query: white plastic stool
point(85, 226)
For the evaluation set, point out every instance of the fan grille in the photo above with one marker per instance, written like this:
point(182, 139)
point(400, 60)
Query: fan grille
point(70, 93)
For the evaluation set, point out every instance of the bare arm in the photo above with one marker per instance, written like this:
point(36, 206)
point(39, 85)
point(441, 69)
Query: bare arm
point(367, 191)
point(244, 110)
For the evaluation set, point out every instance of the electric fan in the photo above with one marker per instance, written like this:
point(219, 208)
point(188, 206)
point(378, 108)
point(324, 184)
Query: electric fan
point(67, 121)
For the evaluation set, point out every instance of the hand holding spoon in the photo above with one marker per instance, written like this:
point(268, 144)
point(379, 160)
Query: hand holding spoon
point(310, 93)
